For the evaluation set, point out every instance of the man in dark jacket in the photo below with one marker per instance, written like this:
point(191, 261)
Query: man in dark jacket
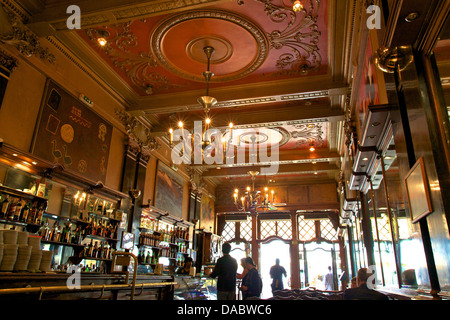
point(362, 292)
point(225, 270)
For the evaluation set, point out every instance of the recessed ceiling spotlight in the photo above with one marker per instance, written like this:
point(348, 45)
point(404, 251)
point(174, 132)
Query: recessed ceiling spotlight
point(412, 17)
point(102, 41)
point(297, 6)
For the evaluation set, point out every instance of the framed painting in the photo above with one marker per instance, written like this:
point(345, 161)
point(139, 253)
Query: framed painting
point(418, 192)
point(72, 134)
point(169, 190)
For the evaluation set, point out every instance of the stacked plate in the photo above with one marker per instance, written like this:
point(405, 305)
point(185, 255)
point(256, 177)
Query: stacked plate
point(22, 238)
point(23, 258)
point(46, 261)
point(9, 257)
point(10, 236)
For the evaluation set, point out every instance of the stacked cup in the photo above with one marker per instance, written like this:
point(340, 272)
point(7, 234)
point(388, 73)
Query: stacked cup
point(22, 238)
point(46, 261)
point(10, 248)
point(36, 253)
point(23, 257)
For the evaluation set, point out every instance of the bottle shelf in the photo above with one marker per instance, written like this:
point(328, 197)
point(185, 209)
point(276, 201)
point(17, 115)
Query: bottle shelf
point(68, 244)
point(95, 237)
point(21, 194)
point(30, 227)
point(67, 219)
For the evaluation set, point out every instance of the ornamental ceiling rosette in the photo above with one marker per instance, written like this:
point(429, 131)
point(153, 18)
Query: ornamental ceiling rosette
point(254, 41)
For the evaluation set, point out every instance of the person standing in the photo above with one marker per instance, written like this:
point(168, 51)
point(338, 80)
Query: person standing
point(276, 273)
point(251, 284)
point(329, 282)
point(225, 271)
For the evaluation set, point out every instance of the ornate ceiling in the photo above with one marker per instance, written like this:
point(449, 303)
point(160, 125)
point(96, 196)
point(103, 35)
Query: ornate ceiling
point(278, 74)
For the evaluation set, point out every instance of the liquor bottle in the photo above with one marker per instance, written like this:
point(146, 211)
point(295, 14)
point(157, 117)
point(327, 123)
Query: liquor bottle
point(107, 251)
point(24, 213)
point(39, 214)
point(95, 251)
point(32, 213)
point(4, 206)
point(76, 236)
point(56, 232)
point(90, 248)
point(46, 230)
point(12, 209)
point(19, 207)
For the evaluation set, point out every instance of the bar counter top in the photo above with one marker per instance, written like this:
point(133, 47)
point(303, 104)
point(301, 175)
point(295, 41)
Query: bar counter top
point(84, 285)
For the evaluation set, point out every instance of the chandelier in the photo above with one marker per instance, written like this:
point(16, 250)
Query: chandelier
point(251, 199)
point(206, 138)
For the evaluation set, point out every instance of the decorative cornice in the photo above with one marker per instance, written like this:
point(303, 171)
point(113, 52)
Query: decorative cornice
point(18, 36)
point(8, 62)
point(13, 7)
point(130, 13)
point(138, 133)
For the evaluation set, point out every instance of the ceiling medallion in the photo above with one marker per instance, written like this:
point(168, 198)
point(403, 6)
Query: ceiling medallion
point(218, 41)
point(301, 36)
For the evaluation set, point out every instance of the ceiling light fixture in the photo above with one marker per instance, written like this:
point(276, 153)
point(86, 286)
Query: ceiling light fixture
point(311, 147)
point(254, 199)
point(207, 102)
point(297, 6)
point(102, 41)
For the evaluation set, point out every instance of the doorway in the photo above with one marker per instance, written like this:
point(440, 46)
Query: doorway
point(319, 256)
point(268, 253)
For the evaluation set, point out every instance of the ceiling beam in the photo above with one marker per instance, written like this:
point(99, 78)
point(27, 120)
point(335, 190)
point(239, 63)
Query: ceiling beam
point(284, 169)
point(247, 94)
point(265, 117)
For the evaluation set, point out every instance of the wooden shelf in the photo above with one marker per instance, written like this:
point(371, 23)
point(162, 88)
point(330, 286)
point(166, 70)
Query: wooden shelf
point(30, 227)
point(67, 244)
point(18, 193)
point(99, 238)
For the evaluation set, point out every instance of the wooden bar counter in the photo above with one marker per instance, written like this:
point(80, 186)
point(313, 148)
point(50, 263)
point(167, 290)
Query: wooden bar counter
point(56, 286)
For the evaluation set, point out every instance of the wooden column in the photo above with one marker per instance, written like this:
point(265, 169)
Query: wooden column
point(255, 238)
point(295, 258)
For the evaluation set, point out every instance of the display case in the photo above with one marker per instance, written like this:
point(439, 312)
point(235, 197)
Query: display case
point(79, 220)
point(209, 249)
point(195, 288)
point(164, 240)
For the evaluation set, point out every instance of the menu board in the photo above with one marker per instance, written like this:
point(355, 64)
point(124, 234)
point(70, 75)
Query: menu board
point(70, 133)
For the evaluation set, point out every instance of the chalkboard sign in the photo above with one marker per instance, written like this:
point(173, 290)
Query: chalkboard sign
point(70, 133)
